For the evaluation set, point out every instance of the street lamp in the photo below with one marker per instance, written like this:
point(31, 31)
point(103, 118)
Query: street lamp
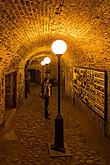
point(43, 64)
point(58, 47)
point(47, 61)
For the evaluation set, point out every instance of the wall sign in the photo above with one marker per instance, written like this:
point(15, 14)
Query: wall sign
point(91, 87)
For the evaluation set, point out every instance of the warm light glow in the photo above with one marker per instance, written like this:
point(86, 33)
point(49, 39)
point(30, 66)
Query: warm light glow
point(47, 60)
point(59, 47)
point(42, 63)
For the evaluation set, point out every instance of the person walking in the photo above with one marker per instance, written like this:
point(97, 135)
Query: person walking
point(46, 93)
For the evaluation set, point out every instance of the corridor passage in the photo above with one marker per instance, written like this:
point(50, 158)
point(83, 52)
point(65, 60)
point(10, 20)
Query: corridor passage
point(25, 139)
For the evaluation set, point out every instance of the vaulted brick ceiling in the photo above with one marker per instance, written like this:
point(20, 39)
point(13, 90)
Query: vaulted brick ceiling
point(28, 28)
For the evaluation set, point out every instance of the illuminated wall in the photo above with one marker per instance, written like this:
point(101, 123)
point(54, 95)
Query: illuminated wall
point(29, 27)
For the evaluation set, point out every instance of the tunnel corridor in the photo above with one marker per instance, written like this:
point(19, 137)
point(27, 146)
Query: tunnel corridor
point(28, 29)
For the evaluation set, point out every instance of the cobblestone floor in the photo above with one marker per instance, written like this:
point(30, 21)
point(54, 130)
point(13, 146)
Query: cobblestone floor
point(25, 139)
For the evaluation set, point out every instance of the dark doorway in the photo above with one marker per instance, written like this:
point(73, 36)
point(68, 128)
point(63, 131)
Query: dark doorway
point(35, 75)
point(38, 77)
point(10, 90)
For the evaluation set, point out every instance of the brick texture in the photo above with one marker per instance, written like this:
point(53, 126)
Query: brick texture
point(83, 24)
point(28, 28)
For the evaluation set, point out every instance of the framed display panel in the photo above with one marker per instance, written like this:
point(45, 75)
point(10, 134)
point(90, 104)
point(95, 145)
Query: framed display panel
point(91, 87)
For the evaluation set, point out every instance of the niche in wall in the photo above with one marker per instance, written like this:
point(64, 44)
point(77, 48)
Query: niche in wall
point(10, 90)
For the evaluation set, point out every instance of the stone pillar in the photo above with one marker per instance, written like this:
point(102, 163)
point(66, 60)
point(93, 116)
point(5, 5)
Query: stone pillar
point(20, 87)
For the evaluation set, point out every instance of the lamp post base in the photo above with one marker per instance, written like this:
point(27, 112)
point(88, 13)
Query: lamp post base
point(55, 152)
point(57, 148)
point(59, 135)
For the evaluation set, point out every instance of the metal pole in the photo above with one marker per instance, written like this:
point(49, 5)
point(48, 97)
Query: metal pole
point(59, 85)
point(59, 133)
point(42, 74)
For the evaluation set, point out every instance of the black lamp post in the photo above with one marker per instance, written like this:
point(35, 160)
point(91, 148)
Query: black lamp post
point(47, 60)
point(42, 73)
point(59, 47)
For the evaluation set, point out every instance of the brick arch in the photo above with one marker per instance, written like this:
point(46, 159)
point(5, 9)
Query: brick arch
point(25, 22)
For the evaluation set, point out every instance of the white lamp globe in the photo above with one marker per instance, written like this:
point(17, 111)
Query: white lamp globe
point(47, 60)
point(59, 47)
point(42, 63)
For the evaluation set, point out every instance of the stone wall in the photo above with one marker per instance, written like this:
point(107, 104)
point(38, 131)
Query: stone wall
point(109, 101)
point(2, 97)
point(19, 92)
point(68, 81)
point(78, 103)
point(20, 87)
